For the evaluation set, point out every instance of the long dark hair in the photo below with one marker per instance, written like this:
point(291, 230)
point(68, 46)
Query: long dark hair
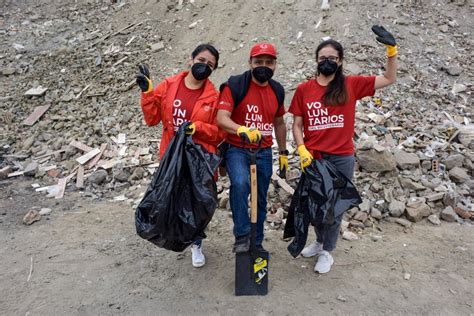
point(336, 93)
point(208, 47)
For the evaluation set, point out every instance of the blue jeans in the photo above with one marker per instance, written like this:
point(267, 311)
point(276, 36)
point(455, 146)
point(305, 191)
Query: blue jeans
point(326, 234)
point(238, 167)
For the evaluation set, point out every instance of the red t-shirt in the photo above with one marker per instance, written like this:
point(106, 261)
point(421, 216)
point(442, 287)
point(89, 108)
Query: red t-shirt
point(329, 129)
point(258, 109)
point(183, 104)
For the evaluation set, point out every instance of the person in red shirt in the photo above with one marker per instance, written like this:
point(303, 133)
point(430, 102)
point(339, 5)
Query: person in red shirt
point(323, 125)
point(250, 108)
point(186, 97)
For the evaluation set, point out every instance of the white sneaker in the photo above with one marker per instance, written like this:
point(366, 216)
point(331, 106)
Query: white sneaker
point(312, 250)
point(198, 257)
point(324, 263)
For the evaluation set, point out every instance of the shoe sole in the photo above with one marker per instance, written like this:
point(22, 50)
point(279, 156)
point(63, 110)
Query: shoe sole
point(199, 265)
point(323, 272)
point(311, 255)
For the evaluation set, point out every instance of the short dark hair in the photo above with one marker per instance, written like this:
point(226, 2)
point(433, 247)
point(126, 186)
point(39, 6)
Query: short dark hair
point(208, 47)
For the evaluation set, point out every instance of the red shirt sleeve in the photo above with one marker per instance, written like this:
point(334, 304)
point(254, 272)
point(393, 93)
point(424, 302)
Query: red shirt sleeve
point(363, 86)
point(296, 103)
point(226, 102)
point(281, 111)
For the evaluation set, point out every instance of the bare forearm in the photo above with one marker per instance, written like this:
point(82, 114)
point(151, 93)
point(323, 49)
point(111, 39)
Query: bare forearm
point(280, 134)
point(298, 133)
point(226, 123)
point(391, 69)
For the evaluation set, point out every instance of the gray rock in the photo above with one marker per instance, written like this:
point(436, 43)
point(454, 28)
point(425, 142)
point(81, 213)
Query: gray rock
point(122, 175)
point(157, 47)
point(403, 222)
point(356, 224)
point(458, 175)
point(7, 71)
point(223, 201)
point(453, 161)
point(31, 169)
point(449, 215)
point(138, 173)
point(453, 70)
point(364, 206)
point(29, 142)
point(410, 185)
point(353, 69)
point(45, 211)
point(396, 208)
point(433, 219)
point(375, 213)
point(374, 161)
point(406, 160)
point(98, 177)
point(361, 216)
point(416, 212)
point(31, 217)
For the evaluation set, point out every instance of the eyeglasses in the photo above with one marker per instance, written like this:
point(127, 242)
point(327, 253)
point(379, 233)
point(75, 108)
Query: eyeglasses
point(330, 58)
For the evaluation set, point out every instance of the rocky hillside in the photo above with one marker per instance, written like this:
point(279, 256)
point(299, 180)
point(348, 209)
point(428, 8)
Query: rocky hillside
point(415, 140)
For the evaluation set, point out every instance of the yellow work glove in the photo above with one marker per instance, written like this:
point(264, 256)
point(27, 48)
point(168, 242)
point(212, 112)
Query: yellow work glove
point(305, 157)
point(283, 161)
point(191, 129)
point(386, 38)
point(249, 135)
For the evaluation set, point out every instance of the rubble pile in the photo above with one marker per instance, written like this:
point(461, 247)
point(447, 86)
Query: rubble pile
point(70, 115)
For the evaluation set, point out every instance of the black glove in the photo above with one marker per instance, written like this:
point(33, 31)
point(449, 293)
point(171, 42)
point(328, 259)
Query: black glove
point(384, 36)
point(143, 78)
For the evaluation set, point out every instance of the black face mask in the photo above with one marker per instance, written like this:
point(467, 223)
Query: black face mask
point(262, 73)
point(201, 71)
point(327, 67)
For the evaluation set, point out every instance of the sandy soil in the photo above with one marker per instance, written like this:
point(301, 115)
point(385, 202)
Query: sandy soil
point(87, 259)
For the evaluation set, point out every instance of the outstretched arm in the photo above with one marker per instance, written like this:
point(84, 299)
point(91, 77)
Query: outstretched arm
point(390, 74)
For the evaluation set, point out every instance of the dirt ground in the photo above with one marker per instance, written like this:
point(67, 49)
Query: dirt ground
point(87, 260)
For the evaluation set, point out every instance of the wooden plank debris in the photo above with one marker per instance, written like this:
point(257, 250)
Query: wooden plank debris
point(80, 177)
point(122, 138)
point(123, 151)
point(94, 160)
point(5, 171)
point(82, 91)
point(130, 40)
point(108, 164)
point(88, 156)
point(118, 32)
point(15, 174)
point(35, 92)
point(84, 147)
point(283, 184)
point(62, 187)
point(80, 146)
point(120, 61)
point(37, 113)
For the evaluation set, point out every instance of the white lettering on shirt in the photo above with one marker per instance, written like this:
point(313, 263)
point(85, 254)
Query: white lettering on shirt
point(319, 118)
point(255, 120)
point(178, 115)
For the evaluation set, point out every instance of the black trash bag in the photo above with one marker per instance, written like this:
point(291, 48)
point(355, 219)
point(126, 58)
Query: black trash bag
point(323, 193)
point(182, 197)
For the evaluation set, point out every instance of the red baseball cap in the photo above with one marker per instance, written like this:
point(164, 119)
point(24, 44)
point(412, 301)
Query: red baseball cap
point(263, 49)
